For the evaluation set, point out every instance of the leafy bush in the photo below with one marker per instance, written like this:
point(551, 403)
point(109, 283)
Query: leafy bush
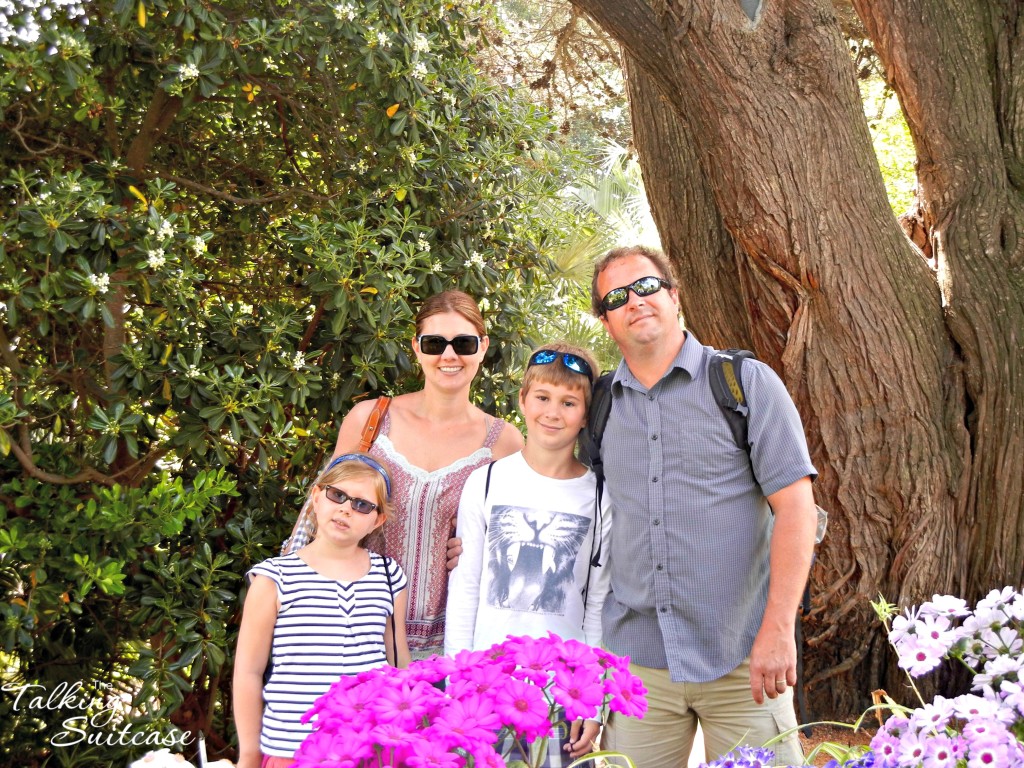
point(216, 224)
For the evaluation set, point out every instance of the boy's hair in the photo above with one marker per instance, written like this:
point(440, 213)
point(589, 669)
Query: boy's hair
point(556, 373)
point(451, 301)
point(356, 469)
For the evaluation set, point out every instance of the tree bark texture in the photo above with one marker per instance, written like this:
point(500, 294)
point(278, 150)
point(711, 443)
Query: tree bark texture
point(958, 69)
point(687, 217)
point(764, 184)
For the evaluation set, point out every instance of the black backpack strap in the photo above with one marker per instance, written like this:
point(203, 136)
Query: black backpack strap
point(590, 447)
point(487, 481)
point(593, 432)
point(726, 380)
point(391, 588)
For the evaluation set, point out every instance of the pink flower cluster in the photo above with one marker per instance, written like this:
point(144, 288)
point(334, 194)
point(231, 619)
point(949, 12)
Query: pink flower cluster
point(982, 730)
point(401, 717)
point(947, 731)
point(988, 639)
point(973, 730)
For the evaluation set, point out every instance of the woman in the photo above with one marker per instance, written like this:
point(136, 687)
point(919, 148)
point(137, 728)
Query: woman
point(430, 441)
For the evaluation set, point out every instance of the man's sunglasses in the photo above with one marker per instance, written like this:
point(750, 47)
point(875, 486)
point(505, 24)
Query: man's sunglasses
point(645, 286)
point(572, 362)
point(433, 344)
point(338, 496)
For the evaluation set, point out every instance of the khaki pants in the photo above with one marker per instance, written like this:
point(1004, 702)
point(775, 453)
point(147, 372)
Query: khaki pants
point(724, 708)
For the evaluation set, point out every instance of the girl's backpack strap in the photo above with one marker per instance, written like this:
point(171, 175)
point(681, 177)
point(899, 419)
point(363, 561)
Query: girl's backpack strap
point(373, 422)
point(391, 588)
point(387, 575)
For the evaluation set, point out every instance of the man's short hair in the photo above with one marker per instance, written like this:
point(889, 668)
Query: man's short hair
point(657, 258)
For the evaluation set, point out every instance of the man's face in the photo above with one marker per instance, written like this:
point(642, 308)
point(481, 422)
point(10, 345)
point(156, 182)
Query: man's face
point(641, 320)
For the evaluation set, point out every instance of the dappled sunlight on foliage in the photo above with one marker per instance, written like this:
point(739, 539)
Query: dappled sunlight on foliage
point(216, 225)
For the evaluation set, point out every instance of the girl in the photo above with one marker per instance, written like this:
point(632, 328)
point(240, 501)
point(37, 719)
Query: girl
point(333, 608)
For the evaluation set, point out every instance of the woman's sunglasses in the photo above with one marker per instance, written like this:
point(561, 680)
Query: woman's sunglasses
point(645, 286)
point(572, 362)
point(338, 496)
point(433, 344)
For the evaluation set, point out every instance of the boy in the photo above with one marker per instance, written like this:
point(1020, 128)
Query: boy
point(532, 533)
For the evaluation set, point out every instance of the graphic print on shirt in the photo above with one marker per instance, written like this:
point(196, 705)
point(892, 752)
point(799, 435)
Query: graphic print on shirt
point(531, 555)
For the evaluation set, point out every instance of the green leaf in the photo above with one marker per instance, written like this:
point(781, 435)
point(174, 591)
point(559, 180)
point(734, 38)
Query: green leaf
point(398, 123)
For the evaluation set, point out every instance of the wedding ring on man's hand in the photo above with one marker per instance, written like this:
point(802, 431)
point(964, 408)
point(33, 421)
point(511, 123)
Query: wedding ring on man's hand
point(780, 682)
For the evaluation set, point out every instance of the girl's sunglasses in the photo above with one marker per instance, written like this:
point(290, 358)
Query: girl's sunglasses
point(570, 361)
point(433, 344)
point(338, 496)
point(645, 286)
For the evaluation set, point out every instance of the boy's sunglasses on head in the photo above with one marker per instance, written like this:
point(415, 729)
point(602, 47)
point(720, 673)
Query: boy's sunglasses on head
point(645, 286)
point(338, 496)
point(572, 362)
point(433, 344)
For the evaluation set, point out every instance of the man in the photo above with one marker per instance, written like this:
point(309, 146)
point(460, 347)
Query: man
point(711, 546)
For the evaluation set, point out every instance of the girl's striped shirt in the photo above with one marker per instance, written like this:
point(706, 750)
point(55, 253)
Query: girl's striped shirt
point(325, 628)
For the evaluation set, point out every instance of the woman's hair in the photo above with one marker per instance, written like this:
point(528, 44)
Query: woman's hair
point(361, 466)
point(451, 301)
point(657, 258)
point(557, 374)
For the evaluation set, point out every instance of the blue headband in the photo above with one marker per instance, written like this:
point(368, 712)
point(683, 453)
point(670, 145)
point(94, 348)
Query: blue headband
point(364, 459)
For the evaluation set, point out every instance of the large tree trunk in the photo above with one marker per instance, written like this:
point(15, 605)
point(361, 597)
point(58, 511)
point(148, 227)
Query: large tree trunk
point(960, 80)
point(686, 215)
point(901, 387)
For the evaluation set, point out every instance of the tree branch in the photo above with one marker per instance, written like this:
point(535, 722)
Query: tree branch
point(53, 146)
point(7, 352)
point(87, 475)
point(194, 185)
point(633, 25)
point(114, 335)
point(288, 149)
point(307, 337)
point(846, 665)
point(163, 109)
point(129, 475)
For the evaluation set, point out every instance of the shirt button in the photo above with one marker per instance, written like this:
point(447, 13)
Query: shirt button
point(660, 567)
point(657, 521)
point(650, 397)
point(654, 479)
point(654, 437)
point(664, 609)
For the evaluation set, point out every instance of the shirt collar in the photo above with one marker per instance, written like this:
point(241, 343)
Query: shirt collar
point(689, 360)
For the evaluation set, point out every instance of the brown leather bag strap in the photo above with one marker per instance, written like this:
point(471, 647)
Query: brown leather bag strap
point(373, 422)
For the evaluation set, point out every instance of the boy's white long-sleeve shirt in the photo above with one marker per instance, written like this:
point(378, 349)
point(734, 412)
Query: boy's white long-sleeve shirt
point(526, 558)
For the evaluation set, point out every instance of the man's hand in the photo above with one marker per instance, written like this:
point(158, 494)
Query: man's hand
point(454, 551)
point(772, 662)
point(773, 657)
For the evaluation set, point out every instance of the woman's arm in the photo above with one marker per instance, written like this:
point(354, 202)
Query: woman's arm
point(464, 582)
point(252, 654)
point(351, 429)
